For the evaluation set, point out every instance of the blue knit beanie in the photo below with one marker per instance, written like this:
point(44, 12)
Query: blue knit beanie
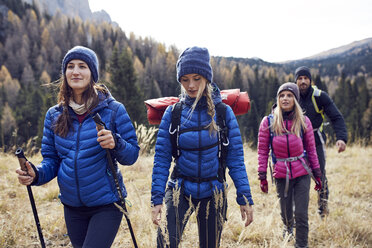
point(85, 54)
point(194, 60)
point(302, 71)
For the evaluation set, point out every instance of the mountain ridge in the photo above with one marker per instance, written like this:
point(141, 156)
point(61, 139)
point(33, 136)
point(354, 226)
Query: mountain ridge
point(338, 51)
point(71, 8)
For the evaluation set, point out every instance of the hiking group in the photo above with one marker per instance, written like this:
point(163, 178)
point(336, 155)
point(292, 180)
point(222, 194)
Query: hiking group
point(88, 133)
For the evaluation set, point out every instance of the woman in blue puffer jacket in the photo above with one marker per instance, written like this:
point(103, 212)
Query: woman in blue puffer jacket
point(195, 186)
point(75, 153)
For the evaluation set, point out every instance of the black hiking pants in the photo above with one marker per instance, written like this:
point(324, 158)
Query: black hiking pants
point(324, 192)
point(210, 219)
point(298, 194)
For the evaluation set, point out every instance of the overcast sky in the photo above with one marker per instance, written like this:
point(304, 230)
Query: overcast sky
point(273, 30)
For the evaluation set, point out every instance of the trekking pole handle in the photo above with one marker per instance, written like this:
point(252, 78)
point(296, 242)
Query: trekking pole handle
point(99, 123)
point(21, 159)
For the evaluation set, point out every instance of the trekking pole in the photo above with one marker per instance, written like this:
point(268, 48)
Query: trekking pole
point(22, 161)
point(100, 125)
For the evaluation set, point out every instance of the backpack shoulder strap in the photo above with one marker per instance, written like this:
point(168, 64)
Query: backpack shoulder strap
point(221, 114)
point(223, 133)
point(223, 130)
point(174, 128)
point(316, 93)
point(270, 119)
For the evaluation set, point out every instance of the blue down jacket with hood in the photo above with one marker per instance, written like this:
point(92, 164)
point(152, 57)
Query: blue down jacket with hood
point(79, 162)
point(203, 163)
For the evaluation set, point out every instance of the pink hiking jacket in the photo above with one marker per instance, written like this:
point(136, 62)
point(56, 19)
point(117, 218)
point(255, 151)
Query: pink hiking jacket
point(285, 146)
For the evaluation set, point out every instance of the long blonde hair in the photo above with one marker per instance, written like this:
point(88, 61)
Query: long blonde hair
point(298, 120)
point(207, 92)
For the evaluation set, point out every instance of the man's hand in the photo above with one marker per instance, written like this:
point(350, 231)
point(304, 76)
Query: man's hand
point(105, 139)
point(26, 177)
point(247, 213)
point(156, 214)
point(340, 145)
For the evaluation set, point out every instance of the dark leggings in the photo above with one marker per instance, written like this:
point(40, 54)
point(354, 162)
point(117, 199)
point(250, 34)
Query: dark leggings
point(209, 227)
point(91, 227)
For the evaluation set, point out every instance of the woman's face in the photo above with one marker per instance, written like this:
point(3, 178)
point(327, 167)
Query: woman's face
point(78, 76)
point(192, 83)
point(286, 100)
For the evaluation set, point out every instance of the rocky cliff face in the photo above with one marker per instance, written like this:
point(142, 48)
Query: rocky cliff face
point(71, 8)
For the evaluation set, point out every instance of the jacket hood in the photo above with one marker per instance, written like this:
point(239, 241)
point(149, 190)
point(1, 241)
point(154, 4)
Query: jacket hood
point(216, 94)
point(103, 100)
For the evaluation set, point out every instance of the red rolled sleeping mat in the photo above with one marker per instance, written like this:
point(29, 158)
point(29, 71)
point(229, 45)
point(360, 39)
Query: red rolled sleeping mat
point(238, 101)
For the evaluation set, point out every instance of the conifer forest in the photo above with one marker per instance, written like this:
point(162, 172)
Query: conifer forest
point(32, 46)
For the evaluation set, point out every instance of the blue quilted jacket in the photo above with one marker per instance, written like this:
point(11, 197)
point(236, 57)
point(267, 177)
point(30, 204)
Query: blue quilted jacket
point(79, 162)
point(202, 163)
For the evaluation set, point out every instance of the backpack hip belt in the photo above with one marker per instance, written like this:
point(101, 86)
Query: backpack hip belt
point(292, 159)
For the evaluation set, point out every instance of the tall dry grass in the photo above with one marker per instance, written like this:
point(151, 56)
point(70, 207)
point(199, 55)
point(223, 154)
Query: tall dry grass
point(348, 225)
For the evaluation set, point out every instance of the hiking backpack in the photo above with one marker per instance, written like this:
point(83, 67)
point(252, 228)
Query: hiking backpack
point(222, 142)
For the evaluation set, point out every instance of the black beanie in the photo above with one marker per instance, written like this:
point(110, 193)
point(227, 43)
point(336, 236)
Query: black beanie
point(302, 71)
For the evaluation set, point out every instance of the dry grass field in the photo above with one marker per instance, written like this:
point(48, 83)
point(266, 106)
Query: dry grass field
point(348, 225)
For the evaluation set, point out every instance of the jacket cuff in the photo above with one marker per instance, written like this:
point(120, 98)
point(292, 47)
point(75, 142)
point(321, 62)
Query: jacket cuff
point(245, 200)
point(262, 175)
point(119, 145)
point(114, 135)
point(156, 198)
point(317, 173)
point(34, 182)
